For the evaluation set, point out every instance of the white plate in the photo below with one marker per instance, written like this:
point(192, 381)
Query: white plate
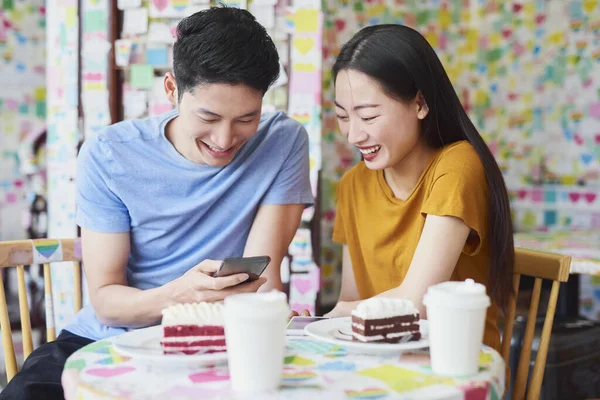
point(144, 345)
point(339, 331)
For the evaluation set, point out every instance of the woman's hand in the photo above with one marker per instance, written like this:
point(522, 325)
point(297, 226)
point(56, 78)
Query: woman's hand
point(342, 309)
point(303, 313)
point(198, 284)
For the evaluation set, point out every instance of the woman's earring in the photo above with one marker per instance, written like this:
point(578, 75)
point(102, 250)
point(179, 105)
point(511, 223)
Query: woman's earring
point(423, 112)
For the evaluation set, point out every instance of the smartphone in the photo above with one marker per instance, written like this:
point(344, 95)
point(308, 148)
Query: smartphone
point(296, 325)
point(253, 266)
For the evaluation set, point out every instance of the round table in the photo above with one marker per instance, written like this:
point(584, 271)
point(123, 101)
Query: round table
point(312, 370)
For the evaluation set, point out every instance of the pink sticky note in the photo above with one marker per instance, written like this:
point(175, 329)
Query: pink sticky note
point(25, 126)
point(11, 105)
point(594, 110)
point(537, 195)
point(303, 285)
point(11, 198)
point(305, 82)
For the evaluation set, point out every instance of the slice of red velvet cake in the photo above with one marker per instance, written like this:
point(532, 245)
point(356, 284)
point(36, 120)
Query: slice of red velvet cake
point(193, 328)
point(380, 319)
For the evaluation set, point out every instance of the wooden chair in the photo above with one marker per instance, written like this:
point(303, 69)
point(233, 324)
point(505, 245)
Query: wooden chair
point(540, 266)
point(26, 252)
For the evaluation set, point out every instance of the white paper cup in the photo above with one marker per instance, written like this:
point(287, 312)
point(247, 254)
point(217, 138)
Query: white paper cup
point(456, 313)
point(255, 335)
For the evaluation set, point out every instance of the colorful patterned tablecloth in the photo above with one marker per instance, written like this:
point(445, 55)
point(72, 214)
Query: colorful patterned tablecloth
point(582, 246)
point(312, 370)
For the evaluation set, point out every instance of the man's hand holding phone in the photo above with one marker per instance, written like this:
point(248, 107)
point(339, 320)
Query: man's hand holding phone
point(198, 284)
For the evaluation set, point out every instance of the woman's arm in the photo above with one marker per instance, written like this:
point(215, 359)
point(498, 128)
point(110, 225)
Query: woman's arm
point(435, 258)
point(349, 292)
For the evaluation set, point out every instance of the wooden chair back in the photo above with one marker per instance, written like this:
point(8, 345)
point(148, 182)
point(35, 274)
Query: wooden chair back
point(540, 266)
point(18, 254)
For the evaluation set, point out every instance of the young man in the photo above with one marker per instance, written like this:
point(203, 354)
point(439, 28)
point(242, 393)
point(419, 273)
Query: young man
point(159, 199)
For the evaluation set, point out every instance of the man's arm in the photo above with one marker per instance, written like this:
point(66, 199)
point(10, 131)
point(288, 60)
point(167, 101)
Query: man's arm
point(116, 304)
point(105, 258)
point(272, 232)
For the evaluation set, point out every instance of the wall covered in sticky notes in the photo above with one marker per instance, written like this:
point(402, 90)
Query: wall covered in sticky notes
point(144, 50)
point(63, 69)
point(22, 107)
point(528, 73)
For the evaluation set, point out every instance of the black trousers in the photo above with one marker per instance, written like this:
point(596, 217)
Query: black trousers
point(39, 378)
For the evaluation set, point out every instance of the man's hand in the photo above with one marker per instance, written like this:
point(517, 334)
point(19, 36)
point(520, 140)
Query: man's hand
point(198, 285)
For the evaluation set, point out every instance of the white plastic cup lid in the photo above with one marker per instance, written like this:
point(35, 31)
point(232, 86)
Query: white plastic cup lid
point(257, 305)
point(467, 295)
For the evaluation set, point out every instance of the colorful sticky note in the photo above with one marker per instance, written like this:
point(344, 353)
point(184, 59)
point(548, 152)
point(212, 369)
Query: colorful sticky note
point(7, 5)
point(95, 21)
point(141, 76)
point(40, 109)
point(157, 56)
point(550, 218)
point(39, 94)
point(306, 21)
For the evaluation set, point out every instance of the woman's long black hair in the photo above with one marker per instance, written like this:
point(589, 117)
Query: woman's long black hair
point(404, 64)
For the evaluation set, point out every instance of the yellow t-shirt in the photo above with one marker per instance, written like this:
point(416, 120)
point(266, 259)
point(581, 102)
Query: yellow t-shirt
point(382, 231)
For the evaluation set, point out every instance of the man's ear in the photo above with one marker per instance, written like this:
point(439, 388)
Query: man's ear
point(170, 85)
point(422, 107)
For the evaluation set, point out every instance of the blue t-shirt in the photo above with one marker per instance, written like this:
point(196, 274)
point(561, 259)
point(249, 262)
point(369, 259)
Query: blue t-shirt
point(130, 178)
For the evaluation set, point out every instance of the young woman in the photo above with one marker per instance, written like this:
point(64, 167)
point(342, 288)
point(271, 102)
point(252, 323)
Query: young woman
point(428, 204)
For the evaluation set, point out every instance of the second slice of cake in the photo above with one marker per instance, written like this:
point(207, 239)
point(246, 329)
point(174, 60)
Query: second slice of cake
point(193, 328)
point(380, 319)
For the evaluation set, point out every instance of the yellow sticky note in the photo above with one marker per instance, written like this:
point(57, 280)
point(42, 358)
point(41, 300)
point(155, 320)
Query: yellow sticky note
point(306, 21)
point(589, 5)
point(432, 38)
point(445, 19)
point(495, 39)
point(556, 38)
point(465, 16)
point(303, 67)
point(480, 97)
point(304, 45)
point(71, 16)
point(39, 94)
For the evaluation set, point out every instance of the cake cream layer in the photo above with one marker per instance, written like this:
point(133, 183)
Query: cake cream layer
point(384, 326)
point(388, 338)
point(383, 307)
point(193, 314)
point(194, 343)
point(184, 339)
point(194, 349)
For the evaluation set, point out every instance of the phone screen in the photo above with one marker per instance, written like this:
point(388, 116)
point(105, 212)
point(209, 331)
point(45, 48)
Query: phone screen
point(298, 323)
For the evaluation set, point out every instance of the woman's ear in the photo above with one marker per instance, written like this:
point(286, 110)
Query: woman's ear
point(171, 88)
point(422, 107)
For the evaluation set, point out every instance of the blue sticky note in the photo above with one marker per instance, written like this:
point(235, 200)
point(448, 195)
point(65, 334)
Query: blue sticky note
point(157, 56)
point(549, 218)
point(550, 196)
